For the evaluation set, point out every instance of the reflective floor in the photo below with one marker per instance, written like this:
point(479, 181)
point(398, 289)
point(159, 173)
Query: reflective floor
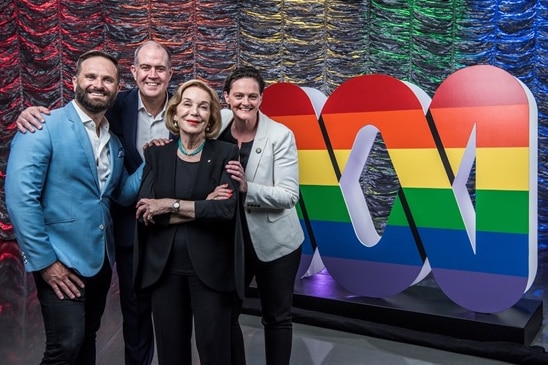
point(22, 338)
point(311, 345)
point(315, 346)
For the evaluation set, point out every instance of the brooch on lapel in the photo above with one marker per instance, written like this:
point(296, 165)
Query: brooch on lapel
point(258, 150)
point(121, 152)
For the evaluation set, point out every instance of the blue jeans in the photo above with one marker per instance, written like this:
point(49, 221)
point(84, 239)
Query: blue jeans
point(71, 325)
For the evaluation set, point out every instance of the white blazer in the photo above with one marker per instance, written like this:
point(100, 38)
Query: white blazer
point(272, 175)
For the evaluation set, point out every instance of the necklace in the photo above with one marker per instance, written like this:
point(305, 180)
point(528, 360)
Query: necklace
point(193, 153)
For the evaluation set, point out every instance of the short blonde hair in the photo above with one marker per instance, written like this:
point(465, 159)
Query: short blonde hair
point(213, 124)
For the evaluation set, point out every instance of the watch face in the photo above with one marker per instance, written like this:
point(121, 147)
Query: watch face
point(176, 205)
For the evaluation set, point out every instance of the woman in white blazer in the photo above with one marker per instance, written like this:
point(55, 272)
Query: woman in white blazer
point(268, 174)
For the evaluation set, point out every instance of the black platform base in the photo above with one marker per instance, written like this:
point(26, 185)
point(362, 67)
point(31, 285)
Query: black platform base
point(420, 315)
point(424, 309)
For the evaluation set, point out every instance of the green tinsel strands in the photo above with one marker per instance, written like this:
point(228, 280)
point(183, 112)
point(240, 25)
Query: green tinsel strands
point(415, 41)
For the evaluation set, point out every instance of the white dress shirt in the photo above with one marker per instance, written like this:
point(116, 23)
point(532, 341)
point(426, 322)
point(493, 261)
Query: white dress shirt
point(99, 143)
point(149, 126)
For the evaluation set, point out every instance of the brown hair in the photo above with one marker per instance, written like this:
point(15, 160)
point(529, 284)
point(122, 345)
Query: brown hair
point(97, 53)
point(244, 72)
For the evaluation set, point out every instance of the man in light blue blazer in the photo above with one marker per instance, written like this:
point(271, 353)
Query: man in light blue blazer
point(136, 118)
point(60, 183)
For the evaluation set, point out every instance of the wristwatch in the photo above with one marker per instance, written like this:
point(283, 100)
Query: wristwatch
point(175, 207)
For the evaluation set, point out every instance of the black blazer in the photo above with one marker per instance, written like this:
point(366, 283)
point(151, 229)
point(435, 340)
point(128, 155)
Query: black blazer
point(215, 241)
point(122, 117)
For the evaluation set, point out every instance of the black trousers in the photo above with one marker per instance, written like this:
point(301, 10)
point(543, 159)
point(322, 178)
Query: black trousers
point(71, 324)
point(176, 301)
point(275, 284)
point(136, 312)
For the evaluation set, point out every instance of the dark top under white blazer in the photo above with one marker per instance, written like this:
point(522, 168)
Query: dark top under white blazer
point(272, 175)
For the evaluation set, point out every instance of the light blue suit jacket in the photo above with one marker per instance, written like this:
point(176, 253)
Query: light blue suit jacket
point(53, 197)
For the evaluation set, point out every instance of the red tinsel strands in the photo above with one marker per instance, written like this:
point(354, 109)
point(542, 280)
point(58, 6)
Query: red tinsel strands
point(127, 26)
point(40, 53)
point(216, 45)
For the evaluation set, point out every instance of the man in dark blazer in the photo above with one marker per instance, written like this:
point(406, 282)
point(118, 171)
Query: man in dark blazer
point(136, 118)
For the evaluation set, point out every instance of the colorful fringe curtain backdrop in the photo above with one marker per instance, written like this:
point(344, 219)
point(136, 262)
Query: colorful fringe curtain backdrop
point(319, 44)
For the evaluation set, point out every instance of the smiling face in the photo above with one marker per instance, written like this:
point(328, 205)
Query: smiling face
point(152, 71)
point(244, 98)
point(193, 112)
point(96, 84)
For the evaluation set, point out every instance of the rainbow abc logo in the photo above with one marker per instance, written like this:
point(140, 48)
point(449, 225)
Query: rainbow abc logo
point(483, 256)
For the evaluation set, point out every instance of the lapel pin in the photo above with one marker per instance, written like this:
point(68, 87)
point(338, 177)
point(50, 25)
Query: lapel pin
point(258, 150)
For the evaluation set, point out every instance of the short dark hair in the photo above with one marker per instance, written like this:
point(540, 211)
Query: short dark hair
point(97, 53)
point(244, 72)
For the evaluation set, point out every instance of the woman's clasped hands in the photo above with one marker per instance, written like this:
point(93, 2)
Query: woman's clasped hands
point(148, 208)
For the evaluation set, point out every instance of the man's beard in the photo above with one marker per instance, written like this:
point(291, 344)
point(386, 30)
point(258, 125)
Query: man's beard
point(94, 106)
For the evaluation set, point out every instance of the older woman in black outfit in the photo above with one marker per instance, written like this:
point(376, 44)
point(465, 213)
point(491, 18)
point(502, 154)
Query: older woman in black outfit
point(189, 244)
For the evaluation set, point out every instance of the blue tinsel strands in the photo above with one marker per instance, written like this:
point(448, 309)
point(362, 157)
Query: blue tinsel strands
point(515, 44)
point(477, 28)
point(540, 90)
point(517, 50)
